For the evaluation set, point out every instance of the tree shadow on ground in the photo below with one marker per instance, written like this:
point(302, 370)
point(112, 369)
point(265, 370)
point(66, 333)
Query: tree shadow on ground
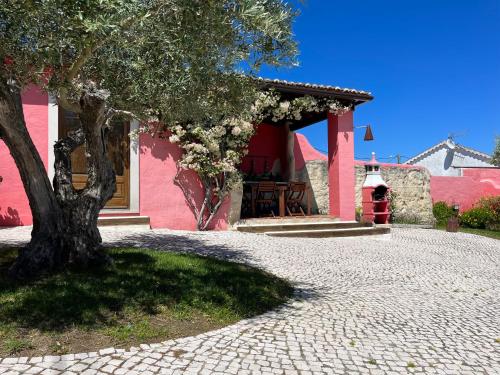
point(140, 282)
point(203, 244)
point(207, 245)
point(179, 276)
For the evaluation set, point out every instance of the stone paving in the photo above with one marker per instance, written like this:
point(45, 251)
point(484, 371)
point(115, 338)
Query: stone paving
point(416, 301)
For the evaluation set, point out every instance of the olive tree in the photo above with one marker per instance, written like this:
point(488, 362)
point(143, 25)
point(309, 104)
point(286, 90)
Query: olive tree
point(156, 60)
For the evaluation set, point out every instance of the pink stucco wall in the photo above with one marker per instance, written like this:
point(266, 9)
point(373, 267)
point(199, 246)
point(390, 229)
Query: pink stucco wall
point(466, 190)
point(304, 151)
point(267, 145)
point(14, 207)
point(160, 197)
point(163, 200)
point(341, 179)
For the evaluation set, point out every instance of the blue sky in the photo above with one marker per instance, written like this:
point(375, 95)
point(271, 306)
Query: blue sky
point(432, 65)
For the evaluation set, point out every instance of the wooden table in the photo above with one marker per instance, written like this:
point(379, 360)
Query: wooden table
point(281, 187)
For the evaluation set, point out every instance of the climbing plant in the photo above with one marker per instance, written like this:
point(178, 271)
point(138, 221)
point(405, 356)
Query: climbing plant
point(214, 148)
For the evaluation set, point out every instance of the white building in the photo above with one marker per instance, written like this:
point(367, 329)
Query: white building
point(447, 158)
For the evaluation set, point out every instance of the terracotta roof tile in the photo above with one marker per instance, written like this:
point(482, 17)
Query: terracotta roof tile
point(366, 95)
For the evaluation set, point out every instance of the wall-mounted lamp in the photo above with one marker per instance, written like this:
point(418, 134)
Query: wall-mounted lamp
point(368, 133)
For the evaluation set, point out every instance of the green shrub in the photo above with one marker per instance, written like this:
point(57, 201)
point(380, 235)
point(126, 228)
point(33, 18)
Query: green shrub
point(476, 217)
point(493, 205)
point(442, 212)
point(359, 213)
point(392, 196)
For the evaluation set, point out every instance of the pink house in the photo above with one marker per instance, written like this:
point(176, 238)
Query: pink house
point(146, 167)
point(460, 175)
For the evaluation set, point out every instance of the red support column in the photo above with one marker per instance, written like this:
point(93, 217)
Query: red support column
point(341, 177)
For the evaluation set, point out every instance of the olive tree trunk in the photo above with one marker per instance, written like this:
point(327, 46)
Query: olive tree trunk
point(46, 249)
point(81, 207)
point(64, 220)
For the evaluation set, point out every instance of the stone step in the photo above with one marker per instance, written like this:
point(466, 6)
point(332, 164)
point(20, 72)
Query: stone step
point(289, 219)
point(123, 220)
point(279, 226)
point(323, 233)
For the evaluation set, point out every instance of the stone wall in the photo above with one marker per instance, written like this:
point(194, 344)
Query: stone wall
point(412, 188)
point(411, 185)
point(315, 173)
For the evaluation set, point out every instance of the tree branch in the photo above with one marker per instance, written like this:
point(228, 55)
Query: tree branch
point(115, 112)
point(85, 55)
point(88, 51)
point(64, 102)
point(79, 62)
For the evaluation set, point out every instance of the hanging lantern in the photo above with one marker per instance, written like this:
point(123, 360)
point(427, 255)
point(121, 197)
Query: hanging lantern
point(368, 134)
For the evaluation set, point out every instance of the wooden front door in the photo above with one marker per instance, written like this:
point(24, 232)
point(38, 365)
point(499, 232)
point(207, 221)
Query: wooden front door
point(118, 150)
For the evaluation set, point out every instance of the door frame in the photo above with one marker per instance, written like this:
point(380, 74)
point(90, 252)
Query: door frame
point(53, 136)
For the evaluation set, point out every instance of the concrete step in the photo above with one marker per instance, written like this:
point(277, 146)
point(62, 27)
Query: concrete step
point(278, 226)
point(123, 220)
point(288, 219)
point(323, 233)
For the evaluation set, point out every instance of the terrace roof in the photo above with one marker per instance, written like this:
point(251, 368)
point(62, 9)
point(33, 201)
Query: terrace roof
point(291, 90)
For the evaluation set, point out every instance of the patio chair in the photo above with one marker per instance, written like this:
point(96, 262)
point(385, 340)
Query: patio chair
point(266, 198)
point(295, 195)
point(246, 204)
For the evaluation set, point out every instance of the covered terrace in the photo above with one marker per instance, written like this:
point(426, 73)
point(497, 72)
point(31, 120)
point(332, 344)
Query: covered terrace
point(272, 155)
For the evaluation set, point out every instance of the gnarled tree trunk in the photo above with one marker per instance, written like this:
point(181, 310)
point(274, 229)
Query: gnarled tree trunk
point(64, 220)
point(81, 208)
point(46, 249)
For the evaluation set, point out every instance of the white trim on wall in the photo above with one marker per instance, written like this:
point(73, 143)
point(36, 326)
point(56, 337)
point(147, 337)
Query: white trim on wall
point(134, 169)
point(52, 134)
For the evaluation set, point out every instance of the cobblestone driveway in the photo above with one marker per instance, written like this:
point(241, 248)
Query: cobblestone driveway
point(419, 301)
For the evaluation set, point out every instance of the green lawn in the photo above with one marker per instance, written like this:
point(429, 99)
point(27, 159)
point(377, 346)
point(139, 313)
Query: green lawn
point(480, 232)
point(145, 296)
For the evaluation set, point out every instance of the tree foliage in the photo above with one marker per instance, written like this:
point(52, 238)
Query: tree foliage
point(166, 60)
point(495, 159)
point(173, 58)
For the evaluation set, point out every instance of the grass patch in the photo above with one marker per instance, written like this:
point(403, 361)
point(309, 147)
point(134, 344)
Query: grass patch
point(144, 296)
point(480, 232)
point(411, 365)
point(15, 345)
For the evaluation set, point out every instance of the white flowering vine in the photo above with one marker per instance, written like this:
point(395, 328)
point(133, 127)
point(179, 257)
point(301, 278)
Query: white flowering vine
point(214, 149)
point(269, 105)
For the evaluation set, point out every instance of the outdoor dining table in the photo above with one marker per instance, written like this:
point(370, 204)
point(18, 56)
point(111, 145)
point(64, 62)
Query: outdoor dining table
point(281, 187)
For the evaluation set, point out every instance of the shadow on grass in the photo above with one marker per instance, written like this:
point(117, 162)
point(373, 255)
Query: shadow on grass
point(205, 244)
point(139, 282)
point(194, 243)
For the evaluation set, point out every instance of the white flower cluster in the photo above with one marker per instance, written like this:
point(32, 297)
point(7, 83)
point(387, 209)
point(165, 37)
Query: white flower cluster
point(211, 149)
point(270, 106)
